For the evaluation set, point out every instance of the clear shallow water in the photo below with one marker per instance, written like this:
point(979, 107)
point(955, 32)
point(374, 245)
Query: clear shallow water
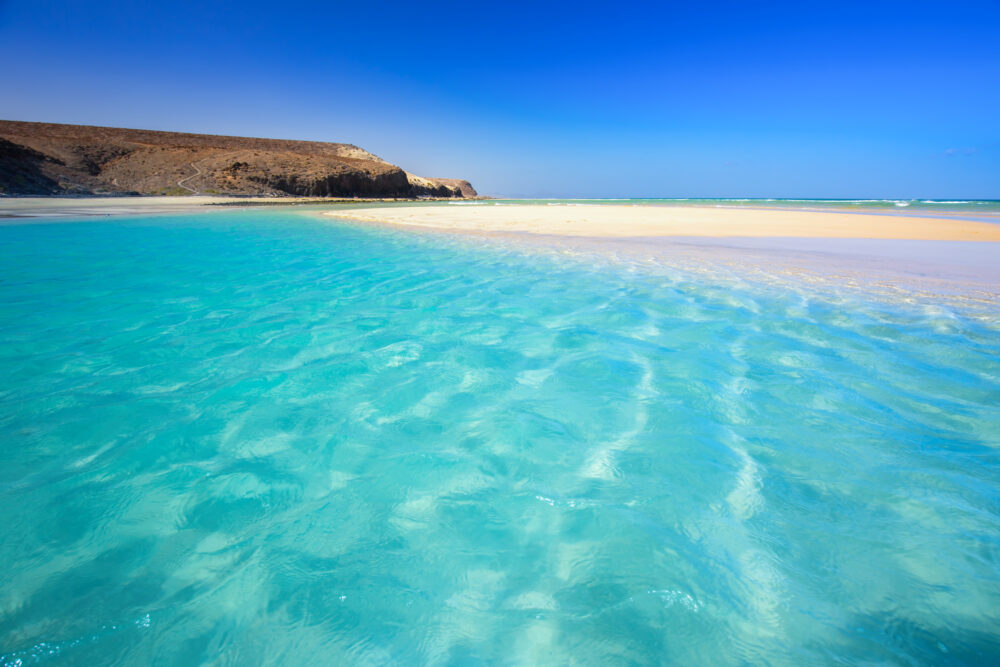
point(259, 438)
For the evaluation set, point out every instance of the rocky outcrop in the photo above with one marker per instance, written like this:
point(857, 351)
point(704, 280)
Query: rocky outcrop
point(440, 187)
point(463, 187)
point(46, 158)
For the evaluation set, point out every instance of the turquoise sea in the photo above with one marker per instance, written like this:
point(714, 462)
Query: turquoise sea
point(262, 438)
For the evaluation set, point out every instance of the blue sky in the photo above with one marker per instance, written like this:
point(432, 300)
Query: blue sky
point(874, 99)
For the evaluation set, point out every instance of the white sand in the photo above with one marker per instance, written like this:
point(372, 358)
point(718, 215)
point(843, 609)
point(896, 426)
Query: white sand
point(592, 220)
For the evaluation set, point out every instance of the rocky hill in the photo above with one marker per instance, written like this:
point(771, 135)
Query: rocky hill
point(48, 159)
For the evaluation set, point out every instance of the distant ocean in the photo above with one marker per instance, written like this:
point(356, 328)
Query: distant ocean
point(986, 206)
point(262, 437)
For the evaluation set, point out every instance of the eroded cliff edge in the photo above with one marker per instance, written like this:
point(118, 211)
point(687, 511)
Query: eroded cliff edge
point(54, 159)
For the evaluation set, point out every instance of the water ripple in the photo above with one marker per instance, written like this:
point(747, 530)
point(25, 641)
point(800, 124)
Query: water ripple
point(283, 441)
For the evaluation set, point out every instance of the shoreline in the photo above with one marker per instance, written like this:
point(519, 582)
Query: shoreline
point(950, 271)
point(40, 208)
point(941, 252)
point(942, 267)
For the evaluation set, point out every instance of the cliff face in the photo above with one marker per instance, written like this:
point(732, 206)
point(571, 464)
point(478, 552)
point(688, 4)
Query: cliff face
point(46, 159)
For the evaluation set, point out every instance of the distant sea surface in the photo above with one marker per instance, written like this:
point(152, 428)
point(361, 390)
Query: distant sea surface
point(267, 438)
point(902, 206)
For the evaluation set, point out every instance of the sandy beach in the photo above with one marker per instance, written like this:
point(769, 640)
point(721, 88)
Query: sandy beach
point(677, 221)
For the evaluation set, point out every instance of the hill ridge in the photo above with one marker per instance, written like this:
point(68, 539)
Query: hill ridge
point(55, 158)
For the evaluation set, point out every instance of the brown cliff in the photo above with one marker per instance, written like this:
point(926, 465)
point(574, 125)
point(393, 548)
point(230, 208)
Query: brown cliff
point(51, 159)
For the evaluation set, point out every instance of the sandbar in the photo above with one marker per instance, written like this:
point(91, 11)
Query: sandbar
point(600, 220)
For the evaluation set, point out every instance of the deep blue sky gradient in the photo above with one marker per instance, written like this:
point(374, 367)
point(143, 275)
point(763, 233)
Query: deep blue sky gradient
point(874, 99)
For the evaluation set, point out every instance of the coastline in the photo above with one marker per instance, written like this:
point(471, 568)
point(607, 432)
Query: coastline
point(20, 208)
point(935, 257)
point(930, 252)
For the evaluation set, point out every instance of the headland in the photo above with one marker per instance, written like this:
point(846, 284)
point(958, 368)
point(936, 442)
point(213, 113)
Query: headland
point(42, 159)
